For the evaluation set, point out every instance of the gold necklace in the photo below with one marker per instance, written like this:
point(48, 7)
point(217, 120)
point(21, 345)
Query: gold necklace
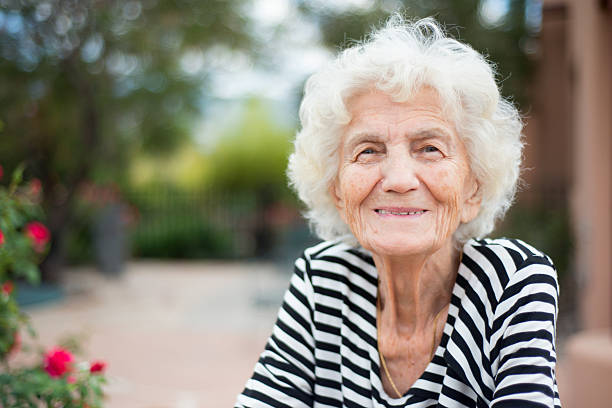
point(382, 357)
point(433, 343)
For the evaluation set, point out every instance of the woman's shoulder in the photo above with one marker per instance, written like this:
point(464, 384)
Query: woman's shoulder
point(338, 258)
point(511, 244)
point(520, 252)
point(503, 261)
point(336, 250)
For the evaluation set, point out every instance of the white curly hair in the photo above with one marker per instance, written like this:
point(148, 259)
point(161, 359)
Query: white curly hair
point(399, 59)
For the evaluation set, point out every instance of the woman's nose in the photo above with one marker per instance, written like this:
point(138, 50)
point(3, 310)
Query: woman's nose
point(399, 173)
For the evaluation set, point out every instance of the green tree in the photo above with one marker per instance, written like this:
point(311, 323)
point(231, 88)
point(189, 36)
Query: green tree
point(251, 155)
point(507, 41)
point(249, 162)
point(85, 83)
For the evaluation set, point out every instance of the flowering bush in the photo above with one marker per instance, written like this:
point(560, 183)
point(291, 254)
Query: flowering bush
point(56, 379)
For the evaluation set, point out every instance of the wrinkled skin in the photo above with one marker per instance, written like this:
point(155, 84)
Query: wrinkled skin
point(404, 186)
point(403, 156)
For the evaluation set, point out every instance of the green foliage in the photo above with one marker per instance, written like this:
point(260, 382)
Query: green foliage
point(507, 42)
point(179, 224)
point(91, 81)
point(251, 157)
point(229, 214)
point(18, 257)
point(185, 168)
point(23, 242)
point(86, 83)
point(33, 387)
point(175, 236)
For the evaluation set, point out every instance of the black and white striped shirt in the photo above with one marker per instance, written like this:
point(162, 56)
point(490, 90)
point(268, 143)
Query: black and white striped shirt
point(497, 349)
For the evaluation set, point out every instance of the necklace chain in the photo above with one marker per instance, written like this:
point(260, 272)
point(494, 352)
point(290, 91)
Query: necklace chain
point(382, 357)
point(433, 345)
point(384, 364)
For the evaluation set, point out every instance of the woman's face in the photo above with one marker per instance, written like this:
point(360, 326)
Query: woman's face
point(404, 183)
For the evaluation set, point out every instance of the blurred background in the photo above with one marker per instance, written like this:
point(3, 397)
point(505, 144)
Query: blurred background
point(159, 130)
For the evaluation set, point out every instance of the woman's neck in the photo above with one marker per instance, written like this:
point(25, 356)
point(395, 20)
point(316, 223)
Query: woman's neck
point(413, 289)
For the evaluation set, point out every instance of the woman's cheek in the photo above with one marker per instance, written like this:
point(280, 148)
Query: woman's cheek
point(445, 186)
point(354, 192)
point(353, 212)
point(439, 183)
point(448, 218)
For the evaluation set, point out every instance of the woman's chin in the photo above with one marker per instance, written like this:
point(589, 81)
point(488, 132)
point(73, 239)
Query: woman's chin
point(400, 246)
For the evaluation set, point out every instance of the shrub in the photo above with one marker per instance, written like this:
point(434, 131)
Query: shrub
point(56, 379)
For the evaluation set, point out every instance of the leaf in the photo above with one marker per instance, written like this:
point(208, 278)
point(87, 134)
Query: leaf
point(17, 177)
point(28, 270)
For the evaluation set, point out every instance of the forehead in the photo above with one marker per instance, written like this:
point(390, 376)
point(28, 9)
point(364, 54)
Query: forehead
point(425, 95)
point(376, 111)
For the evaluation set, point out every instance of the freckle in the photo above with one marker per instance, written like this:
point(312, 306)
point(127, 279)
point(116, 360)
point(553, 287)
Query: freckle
point(443, 173)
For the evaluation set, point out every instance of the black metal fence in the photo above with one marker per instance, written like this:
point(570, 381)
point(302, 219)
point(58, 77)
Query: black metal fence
point(182, 224)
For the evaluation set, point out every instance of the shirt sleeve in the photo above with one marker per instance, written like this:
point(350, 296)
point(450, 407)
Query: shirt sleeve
point(284, 374)
point(525, 327)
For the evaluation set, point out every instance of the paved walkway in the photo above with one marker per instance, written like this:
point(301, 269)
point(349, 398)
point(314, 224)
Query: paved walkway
point(175, 335)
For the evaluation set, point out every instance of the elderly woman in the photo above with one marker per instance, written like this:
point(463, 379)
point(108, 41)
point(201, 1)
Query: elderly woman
point(406, 158)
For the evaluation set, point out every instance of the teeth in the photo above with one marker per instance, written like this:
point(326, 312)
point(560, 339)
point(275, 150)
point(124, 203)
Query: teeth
point(400, 212)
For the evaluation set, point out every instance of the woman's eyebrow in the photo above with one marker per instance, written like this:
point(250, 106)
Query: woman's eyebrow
point(360, 137)
point(430, 133)
point(353, 139)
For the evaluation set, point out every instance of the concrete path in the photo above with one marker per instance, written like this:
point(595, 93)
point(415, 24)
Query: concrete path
point(174, 335)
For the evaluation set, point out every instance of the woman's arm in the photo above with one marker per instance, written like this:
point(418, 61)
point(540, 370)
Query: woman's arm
point(284, 374)
point(523, 338)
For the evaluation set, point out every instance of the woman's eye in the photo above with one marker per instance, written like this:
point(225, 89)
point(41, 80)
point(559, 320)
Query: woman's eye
point(430, 152)
point(367, 154)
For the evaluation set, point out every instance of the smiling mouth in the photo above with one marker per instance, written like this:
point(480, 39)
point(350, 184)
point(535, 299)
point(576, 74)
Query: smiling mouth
point(394, 212)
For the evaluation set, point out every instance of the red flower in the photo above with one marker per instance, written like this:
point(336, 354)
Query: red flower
point(38, 234)
point(1, 237)
point(97, 367)
point(57, 362)
point(1, 172)
point(71, 379)
point(7, 288)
